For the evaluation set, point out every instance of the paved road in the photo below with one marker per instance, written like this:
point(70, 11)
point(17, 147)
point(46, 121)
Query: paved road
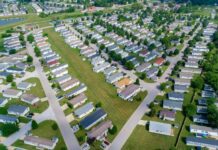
point(153, 91)
point(46, 115)
point(67, 133)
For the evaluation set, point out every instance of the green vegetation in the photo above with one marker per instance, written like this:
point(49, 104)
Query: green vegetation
point(34, 125)
point(8, 129)
point(100, 91)
point(44, 130)
point(36, 90)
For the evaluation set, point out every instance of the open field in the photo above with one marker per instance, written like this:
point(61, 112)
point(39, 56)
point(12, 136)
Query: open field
point(98, 90)
point(44, 130)
point(142, 138)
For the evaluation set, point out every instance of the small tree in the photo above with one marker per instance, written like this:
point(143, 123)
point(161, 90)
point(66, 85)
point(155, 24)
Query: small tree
point(99, 104)
point(113, 130)
point(159, 73)
point(190, 110)
point(13, 84)
point(54, 126)
point(30, 38)
point(143, 76)
point(29, 59)
point(34, 125)
point(3, 147)
point(197, 83)
point(152, 112)
point(9, 128)
point(163, 86)
point(137, 81)
point(10, 78)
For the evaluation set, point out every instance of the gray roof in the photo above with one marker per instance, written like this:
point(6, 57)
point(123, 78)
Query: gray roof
point(17, 108)
point(23, 85)
point(83, 109)
point(180, 87)
point(171, 103)
point(196, 140)
point(162, 128)
point(203, 128)
point(175, 95)
point(8, 118)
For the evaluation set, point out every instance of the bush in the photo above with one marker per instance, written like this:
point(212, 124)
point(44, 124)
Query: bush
point(54, 126)
point(8, 129)
point(29, 59)
point(99, 104)
point(34, 125)
point(113, 130)
point(3, 147)
point(30, 38)
point(10, 78)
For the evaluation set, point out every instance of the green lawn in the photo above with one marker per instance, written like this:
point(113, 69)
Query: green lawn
point(44, 130)
point(36, 90)
point(98, 89)
point(142, 138)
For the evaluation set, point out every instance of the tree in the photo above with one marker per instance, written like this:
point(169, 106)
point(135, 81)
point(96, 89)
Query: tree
point(143, 76)
point(152, 112)
point(163, 86)
point(159, 73)
point(9, 128)
point(113, 130)
point(13, 51)
point(34, 125)
point(86, 42)
point(99, 104)
point(176, 52)
point(190, 110)
point(10, 78)
point(13, 84)
point(54, 126)
point(29, 59)
point(37, 52)
point(197, 83)
point(129, 65)
point(30, 38)
point(3, 147)
point(137, 81)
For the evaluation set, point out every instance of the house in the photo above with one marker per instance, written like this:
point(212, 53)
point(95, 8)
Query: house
point(167, 115)
point(191, 70)
point(143, 67)
point(24, 86)
point(171, 104)
point(58, 68)
point(159, 62)
point(200, 119)
point(208, 94)
point(123, 82)
point(70, 84)
point(3, 101)
point(186, 75)
point(160, 128)
point(84, 110)
point(97, 61)
point(78, 100)
point(8, 119)
point(202, 101)
point(202, 142)
point(39, 142)
point(100, 132)
point(4, 74)
point(82, 88)
point(63, 79)
point(201, 109)
point(203, 130)
point(101, 67)
point(129, 92)
point(30, 99)
point(191, 65)
point(152, 72)
point(114, 77)
point(18, 110)
point(176, 96)
point(60, 73)
point(144, 53)
point(180, 88)
point(110, 70)
point(150, 56)
point(186, 82)
point(11, 93)
point(93, 119)
point(15, 70)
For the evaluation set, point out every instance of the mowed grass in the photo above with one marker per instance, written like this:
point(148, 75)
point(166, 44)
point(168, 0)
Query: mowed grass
point(44, 131)
point(36, 90)
point(98, 90)
point(141, 137)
